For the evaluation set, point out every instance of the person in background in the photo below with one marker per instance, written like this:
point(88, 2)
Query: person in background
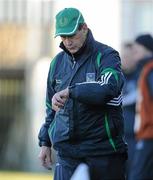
point(129, 99)
point(142, 166)
point(84, 121)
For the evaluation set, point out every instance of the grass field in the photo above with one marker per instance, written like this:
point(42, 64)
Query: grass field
point(24, 176)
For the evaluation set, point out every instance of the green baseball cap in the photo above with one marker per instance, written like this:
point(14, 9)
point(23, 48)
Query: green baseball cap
point(67, 21)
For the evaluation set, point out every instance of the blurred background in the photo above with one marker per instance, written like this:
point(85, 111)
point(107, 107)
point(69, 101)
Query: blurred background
point(27, 46)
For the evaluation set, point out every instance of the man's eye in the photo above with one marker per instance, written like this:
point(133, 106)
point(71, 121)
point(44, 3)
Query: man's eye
point(70, 36)
point(63, 36)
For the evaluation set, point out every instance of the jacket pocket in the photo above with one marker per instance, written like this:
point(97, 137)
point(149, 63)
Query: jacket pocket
point(59, 129)
point(51, 130)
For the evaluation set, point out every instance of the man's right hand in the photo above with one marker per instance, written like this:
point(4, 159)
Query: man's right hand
point(45, 157)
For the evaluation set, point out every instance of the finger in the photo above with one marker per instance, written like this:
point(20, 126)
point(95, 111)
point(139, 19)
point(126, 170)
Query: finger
point(55, 108)
point(43, 162)
point(48, 166)
point(64, 93)
point(56, 102)
point(59, 100)
point(64, 99)
point(47, 163)
point(48, 159)
point(41, 156)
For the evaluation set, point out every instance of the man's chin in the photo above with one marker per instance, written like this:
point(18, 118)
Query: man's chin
point(72, 51)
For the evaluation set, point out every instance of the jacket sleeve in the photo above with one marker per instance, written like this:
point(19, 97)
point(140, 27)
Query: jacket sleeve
point(43, 136)
point(150, 84)
point(108, 86)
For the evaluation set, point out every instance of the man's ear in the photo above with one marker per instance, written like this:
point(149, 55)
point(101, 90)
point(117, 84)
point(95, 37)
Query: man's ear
point(85, 28)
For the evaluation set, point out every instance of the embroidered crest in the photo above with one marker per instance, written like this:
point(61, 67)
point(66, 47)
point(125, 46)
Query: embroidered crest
point(58, 81)
point(90, 77)
point(63, 21)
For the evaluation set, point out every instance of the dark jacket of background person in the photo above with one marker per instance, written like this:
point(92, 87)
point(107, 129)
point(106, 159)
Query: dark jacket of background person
point(88, 124)
point(129, 104)
point(129, 89)
point(129, 100)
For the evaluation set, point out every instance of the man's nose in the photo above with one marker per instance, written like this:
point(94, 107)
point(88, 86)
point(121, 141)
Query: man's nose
point(68, 41)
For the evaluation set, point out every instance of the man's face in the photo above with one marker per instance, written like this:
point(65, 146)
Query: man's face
point(75, 42)
point(139, 52)
point(128, 63)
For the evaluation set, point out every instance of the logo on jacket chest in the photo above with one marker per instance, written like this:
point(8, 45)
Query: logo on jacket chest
point(90, 77)
point(58, 81)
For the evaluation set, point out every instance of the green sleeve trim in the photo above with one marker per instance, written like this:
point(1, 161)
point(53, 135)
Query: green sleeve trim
point(52, 67)
point(48, 105)
point(51, 128)
point(109, 133)
point(98, 59)
point(51, 72)
point(113, 71)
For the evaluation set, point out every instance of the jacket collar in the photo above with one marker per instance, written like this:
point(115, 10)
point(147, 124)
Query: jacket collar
point(85, 49)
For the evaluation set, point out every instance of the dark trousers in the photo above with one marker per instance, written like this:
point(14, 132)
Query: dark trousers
point(131, 150)
point(100, 168)
point(142, 167)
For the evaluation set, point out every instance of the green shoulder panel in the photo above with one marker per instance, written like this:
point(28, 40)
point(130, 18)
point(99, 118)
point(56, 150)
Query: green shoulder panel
point(98, 59)
point(52, 67)
point(51, 72)
point(98, 63)
point(113, 71)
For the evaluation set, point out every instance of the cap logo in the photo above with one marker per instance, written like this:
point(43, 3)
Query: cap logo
point(63, 21)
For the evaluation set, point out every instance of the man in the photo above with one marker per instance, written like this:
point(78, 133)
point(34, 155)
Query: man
point(143, 157)
point(84, 120)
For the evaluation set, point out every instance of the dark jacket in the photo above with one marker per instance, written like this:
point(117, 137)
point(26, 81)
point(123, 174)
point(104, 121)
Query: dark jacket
point(91, 122)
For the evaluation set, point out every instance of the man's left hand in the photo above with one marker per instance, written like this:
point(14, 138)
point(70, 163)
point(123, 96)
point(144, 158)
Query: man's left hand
point(59, 98)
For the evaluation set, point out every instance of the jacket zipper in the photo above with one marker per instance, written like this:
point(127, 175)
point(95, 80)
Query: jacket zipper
point(73, 123)
point(74, 62)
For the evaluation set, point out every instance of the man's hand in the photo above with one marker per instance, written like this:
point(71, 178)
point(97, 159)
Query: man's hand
point(45, 157)
point(59, 99)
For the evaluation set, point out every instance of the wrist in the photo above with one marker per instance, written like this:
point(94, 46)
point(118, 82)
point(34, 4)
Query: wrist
point(43, 143)
point(70, 88)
